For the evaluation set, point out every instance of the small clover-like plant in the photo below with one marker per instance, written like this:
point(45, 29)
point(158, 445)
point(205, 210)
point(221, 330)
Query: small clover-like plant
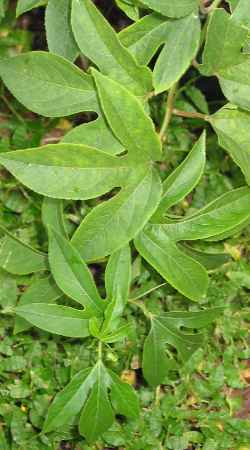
point(119, 154)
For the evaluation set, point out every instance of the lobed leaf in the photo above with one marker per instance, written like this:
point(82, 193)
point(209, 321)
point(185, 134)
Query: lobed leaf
point(68, 171)
point(176, 57)
point(224, 43)
point(115, 222)
point(177, 268)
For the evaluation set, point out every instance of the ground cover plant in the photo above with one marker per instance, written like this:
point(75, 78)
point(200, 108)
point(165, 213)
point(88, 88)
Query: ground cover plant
point(125, 226)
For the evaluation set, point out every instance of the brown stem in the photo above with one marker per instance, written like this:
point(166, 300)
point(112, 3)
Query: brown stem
point(168, 114)
point(189, 115)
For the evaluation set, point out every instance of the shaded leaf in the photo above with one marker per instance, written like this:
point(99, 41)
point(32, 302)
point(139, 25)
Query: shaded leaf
point(19, 258)
point(26, 5)
point(44, 290)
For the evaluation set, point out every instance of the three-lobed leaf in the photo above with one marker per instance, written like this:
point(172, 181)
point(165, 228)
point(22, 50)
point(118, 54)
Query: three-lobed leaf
point(115, 222)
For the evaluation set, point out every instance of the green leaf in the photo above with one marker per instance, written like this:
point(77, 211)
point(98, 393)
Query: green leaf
point(98, 41)
point(183, 179)
point(8, 290)
point(68, 171)
point(166, 329)
point(170, 8)
point(183, 37)
point(72, 274)
point(69, 402)
point(128, 8)
point(123, 398)
point(43, 290)
point(144, 37)
point(155, 363)
point(48, 84)
point(233, 129)
point(121, 107)
point(117, 284)
point(221, 215)
point(241, 13)
point(224, 42)
point(114, 223)
point(56, 319)
point(210, 261)
point(26, 5)
point(182, 272)
point(52, 214)
point(119, 334)
point(19, 258)
point(235, 83)
point(95, 134)
point(97, 415)
point(118, 275)
point(58, 29)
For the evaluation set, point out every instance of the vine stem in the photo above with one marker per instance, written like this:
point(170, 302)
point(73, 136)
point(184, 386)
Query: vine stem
point(214, 5)
point(189, 115)
point(169, 112)
point(99, 350)
point(10, 107)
